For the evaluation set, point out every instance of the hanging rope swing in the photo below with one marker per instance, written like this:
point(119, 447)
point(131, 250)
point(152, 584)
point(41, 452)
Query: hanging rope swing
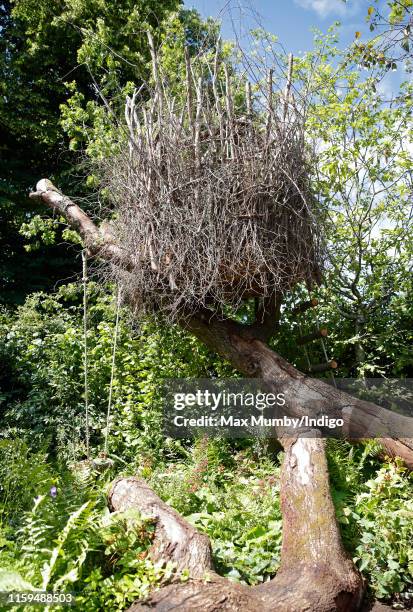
point(85, 355)
point(113, 368)
point(103, 461)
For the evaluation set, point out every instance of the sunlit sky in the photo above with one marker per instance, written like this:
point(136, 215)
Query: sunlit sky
point(292, 21)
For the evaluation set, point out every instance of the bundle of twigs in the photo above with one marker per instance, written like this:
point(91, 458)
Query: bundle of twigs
point(212, 190)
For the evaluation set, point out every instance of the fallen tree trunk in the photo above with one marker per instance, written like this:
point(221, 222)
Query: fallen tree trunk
point(175, 539)
point(305, 395)
point(315, 574)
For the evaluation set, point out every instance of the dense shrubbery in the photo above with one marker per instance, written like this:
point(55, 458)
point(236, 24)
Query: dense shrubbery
point(69, 541)
point(229, 490)
point(42, 378)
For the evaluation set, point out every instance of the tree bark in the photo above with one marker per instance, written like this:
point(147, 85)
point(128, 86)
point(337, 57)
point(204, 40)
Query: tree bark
point(175, 539)
point(315, 574)
point(313, 559)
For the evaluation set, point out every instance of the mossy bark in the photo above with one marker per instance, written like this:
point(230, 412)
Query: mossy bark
point(316, 574)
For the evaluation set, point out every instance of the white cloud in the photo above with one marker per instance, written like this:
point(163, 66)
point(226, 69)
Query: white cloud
point(323, 8)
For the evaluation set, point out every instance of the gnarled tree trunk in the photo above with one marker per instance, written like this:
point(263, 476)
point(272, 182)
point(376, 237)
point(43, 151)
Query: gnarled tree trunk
point(315, 574)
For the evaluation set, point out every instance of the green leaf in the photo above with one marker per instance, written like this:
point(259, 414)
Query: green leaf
point(13, 581)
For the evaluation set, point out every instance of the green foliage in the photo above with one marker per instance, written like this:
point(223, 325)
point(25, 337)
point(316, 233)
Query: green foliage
point(375, 509)
point(399, 10)
point(361, 174)
point(77, 546)
point(232, 496)
point(42, 345)
point(23, 475)
point(384, 514)
point(52, 54)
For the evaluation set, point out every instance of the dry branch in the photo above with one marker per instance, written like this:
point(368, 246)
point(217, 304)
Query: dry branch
point(98, 241)
point(212, 191)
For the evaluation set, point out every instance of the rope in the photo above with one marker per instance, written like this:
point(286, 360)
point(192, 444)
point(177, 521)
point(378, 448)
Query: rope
point(112, 373)
point(323, 344)
point(305, 348)
point(85, 356)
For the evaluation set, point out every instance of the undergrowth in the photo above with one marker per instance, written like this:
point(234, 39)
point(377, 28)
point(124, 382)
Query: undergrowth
point(55, 529)
point(68, 541)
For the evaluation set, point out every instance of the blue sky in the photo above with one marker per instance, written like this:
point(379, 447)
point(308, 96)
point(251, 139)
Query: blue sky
point(290, 20)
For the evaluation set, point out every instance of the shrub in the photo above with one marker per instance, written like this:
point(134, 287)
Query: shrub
point(235, 502)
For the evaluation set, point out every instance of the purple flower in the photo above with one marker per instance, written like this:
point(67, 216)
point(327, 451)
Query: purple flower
point(53, 491)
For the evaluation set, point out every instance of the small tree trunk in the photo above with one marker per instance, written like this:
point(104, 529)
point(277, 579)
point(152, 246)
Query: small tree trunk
point(315, 573)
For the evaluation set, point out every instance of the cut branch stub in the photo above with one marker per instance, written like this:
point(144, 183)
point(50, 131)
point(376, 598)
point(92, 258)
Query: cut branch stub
point(98, 242)
point(315, 335)
point(304, 306)
point(318, 368)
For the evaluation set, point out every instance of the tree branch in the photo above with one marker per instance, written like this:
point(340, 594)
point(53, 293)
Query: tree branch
point(243, 346)
point(176, 540)
point(97, 241)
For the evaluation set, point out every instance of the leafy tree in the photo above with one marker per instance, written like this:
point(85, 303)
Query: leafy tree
point(52, 53)
point(362, 175)
point(390, 43)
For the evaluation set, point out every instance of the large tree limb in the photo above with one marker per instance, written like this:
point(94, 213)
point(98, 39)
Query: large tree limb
point(175, 539)
point(305, 395)
point(243, 346)
point(98, 242)
point(315, 575)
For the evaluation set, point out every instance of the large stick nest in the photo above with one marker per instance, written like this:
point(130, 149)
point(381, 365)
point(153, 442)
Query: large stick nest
point(212, 192)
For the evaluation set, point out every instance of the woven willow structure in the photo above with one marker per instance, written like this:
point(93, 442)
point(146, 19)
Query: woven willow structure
point(212, 191)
